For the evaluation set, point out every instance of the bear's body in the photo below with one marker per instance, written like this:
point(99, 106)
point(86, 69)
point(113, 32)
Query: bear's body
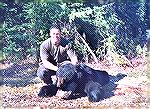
point(89, 74)
point(82, 79)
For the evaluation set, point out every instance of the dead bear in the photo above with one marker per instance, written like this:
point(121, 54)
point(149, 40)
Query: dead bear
point(81, 80)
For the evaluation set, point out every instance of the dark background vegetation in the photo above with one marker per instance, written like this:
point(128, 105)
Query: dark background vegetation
point(109, 25)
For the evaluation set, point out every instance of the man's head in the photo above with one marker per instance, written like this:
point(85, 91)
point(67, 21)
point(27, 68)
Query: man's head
point(55, 35)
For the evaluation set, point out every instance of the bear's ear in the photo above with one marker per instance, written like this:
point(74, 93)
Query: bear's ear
point(88, 86)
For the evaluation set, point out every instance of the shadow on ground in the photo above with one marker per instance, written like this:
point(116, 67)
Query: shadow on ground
point(19, 75)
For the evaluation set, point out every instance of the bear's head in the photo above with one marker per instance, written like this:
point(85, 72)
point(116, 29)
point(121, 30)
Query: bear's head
point(65, 73)
point(94, 91)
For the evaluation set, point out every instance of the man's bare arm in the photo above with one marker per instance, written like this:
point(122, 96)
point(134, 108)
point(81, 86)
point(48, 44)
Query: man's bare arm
point(74, 60)
point(72, 56)
point(49, 65)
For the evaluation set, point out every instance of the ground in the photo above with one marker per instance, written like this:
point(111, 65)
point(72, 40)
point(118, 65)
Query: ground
point(131, 92)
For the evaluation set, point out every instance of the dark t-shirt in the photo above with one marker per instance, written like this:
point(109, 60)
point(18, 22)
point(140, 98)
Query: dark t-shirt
point(56, 54)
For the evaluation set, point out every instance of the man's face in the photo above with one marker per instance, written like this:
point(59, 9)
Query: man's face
point(55, 36)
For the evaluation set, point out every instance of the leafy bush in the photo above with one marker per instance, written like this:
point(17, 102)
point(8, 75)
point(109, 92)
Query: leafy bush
point(115, 27)
point(26, 26)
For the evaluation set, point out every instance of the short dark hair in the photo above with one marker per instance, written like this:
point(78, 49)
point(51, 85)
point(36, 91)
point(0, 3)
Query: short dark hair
point(56, 26)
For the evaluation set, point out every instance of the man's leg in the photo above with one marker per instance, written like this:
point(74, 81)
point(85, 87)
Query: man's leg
point(45, 74)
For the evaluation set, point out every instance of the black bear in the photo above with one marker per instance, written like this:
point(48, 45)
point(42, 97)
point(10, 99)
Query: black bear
point(81, 79)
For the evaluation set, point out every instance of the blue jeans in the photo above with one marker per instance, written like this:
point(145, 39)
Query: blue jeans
point(45, 74)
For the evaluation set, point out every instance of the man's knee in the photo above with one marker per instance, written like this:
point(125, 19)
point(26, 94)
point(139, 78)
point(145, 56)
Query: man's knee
point(45, 74)
point(40, 72)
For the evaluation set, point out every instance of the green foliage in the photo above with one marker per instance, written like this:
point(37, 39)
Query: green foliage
point(44, 1)
point(105, 21)
point(121, 26)
point(26, 26)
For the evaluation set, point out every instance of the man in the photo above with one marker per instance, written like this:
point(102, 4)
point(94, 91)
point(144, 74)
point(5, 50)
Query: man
point(53, 51)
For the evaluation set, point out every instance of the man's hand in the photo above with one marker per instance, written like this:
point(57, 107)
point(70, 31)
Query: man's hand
point(49, 65)
point(63, 94)
point(67, 94)
point(72, 56)
point(74, 60)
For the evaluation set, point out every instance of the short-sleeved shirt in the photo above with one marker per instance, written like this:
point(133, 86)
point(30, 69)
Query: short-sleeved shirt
point(56, 54)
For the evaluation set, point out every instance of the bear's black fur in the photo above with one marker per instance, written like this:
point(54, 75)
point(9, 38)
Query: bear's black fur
point(90, 74)
point(94, 91)
point(48, 91)
point(82, 79)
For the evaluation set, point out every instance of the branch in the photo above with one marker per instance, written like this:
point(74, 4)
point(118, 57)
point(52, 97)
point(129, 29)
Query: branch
point(95, 59)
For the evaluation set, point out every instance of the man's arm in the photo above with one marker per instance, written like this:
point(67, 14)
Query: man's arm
point(72, 56)
point(49, 65)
